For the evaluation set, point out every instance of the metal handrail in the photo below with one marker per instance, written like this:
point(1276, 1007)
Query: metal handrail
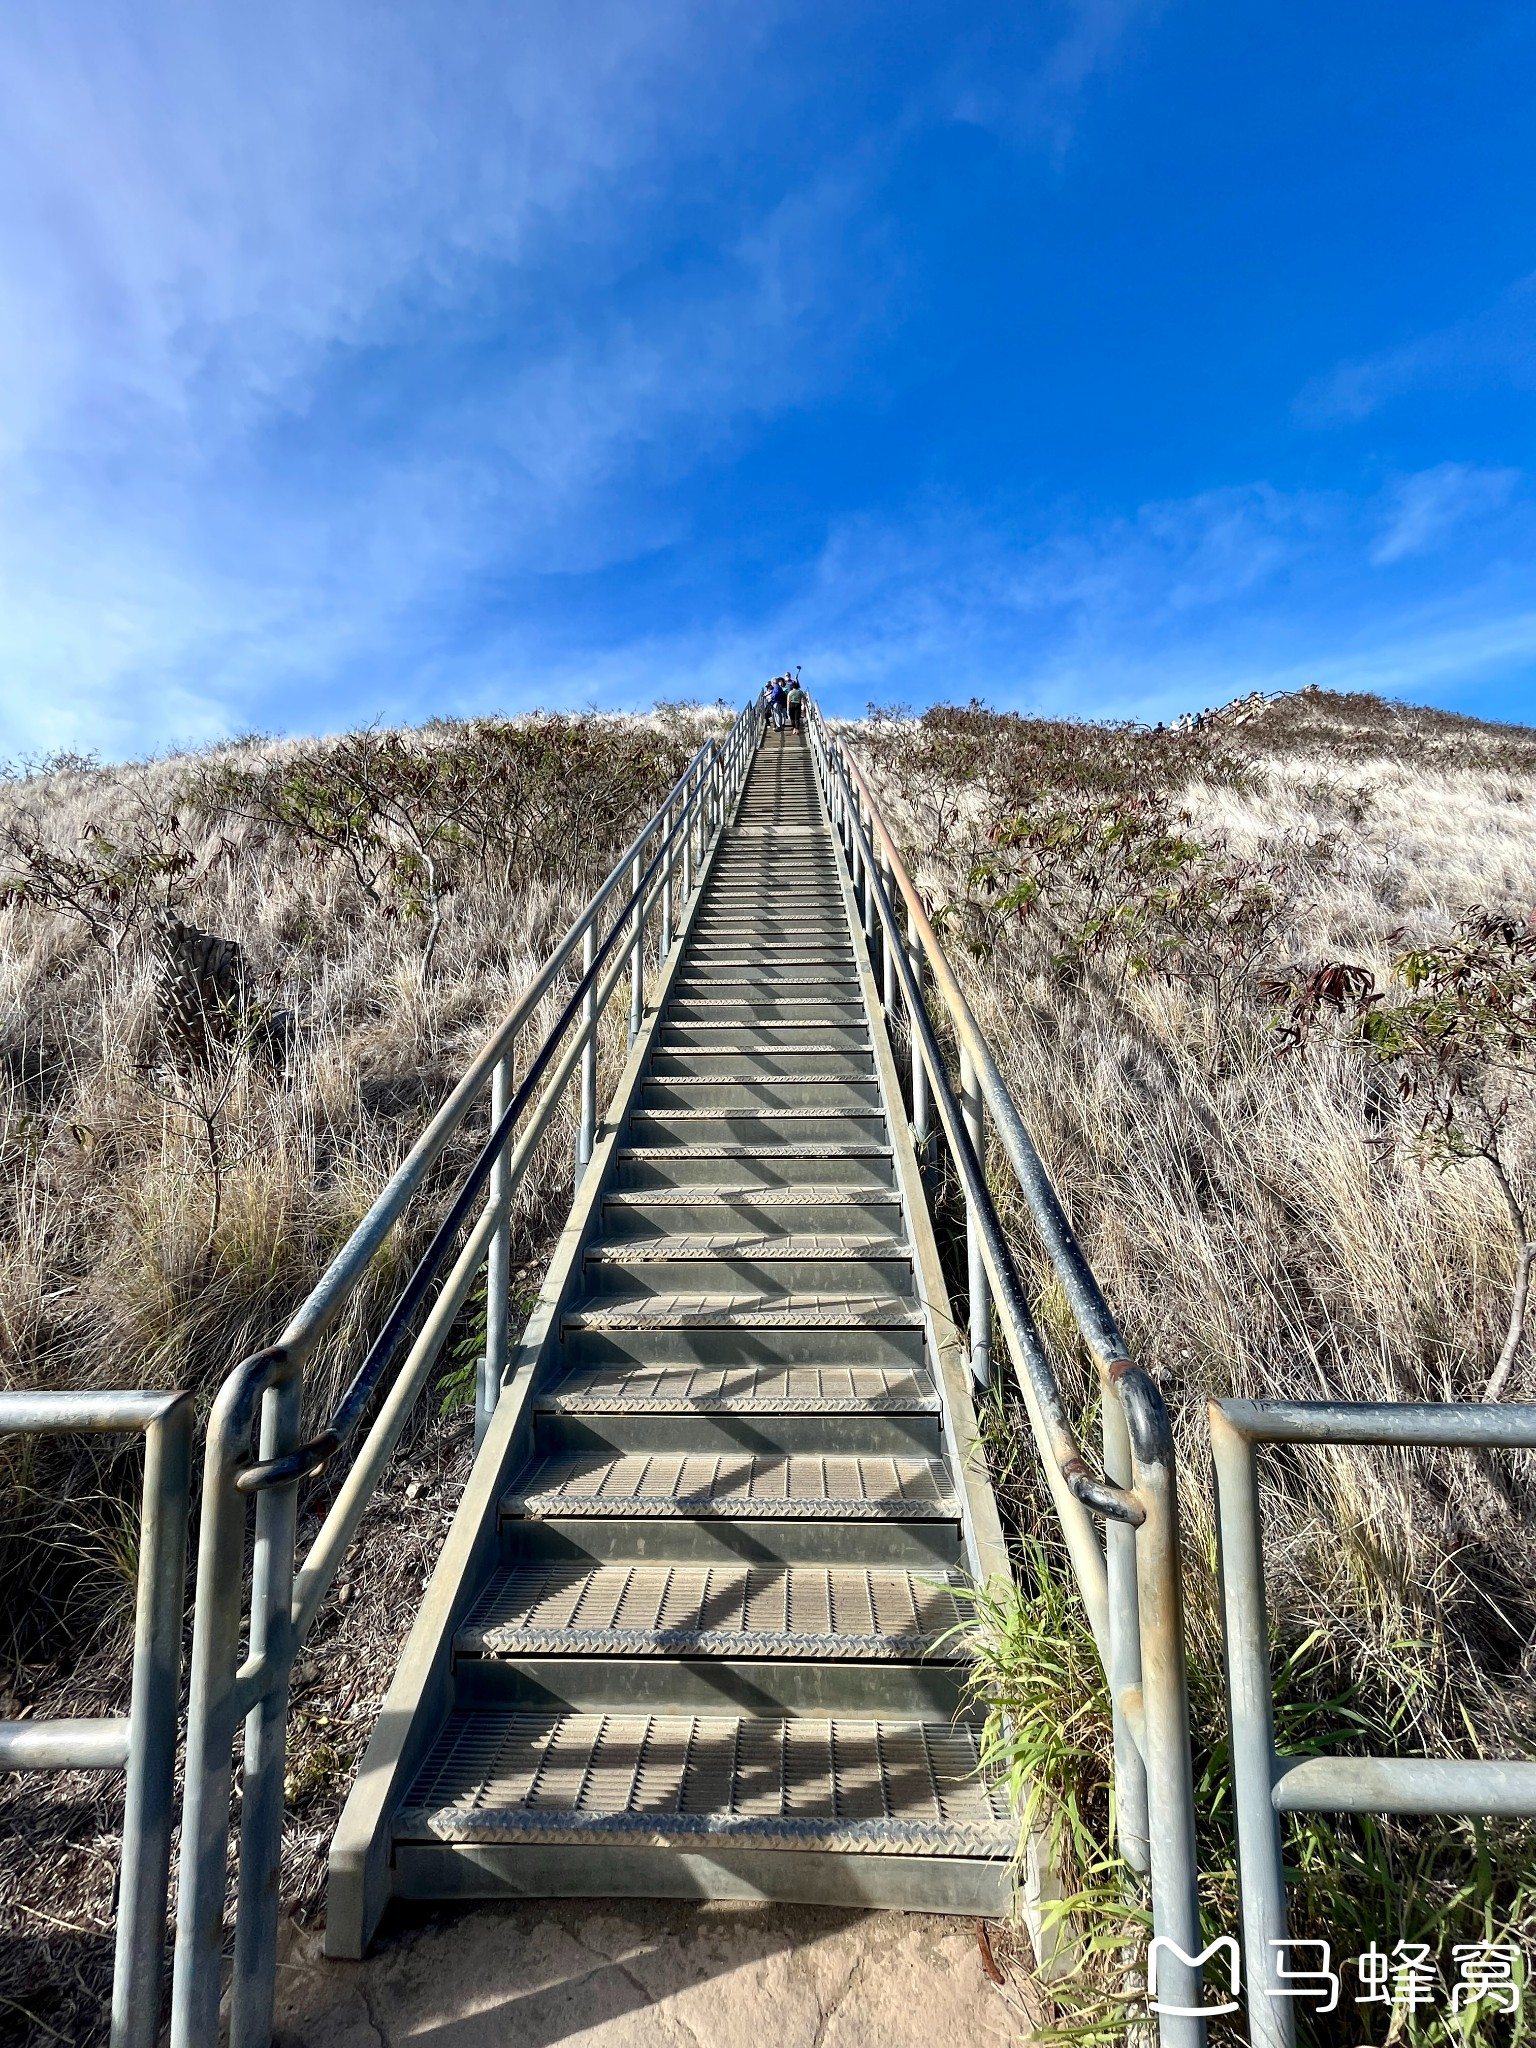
point(143, 1741)
point(1131, 1587)
point(310, 1458)
point(265, 1390)
point(1141, 1637)
point(1267, 1783)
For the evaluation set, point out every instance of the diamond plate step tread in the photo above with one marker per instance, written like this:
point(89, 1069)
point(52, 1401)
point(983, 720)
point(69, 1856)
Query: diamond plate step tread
point(898, 1787)
point(731, 1485)
point(795, 1112)
point(743, 1312)
point(761, 1013)
point(669, 1049)
point(687, 984)
point(804, 1611)
point(644, 1389)
point(744, 1081)
point(754, 1193)
point(841, 1151)
point(756, 1245)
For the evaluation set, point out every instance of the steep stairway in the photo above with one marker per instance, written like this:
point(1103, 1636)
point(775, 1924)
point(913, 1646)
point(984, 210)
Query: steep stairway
point(692, 1632)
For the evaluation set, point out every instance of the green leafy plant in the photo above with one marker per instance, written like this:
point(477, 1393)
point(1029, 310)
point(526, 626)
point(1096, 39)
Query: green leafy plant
point(107, 880)
point(415, 815)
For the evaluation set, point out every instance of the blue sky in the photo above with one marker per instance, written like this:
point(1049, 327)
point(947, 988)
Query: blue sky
point(369, 358)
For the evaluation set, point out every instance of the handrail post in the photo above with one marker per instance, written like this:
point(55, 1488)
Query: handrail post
point(920, 1121)
point(1124, 1673)
point(979, 1293)
point(138, 1968)
point(254, 1978)
point(498, 1265)
point(636, 951)
point(212, 1710)
point(1165, 1710)
point(586, 1133)
point(887, 945)
point(665, 946)
point(688, 817)
point(1250, 1696)
point(142, 1742)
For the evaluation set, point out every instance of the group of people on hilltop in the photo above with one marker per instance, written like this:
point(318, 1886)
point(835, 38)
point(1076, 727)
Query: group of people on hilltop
point(786, 701)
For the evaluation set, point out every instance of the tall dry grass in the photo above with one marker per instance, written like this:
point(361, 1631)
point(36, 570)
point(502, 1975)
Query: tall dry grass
point(1264, 1224)
point(131, 1255)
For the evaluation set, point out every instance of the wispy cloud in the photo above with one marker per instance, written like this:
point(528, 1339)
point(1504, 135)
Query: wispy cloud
point(1187, 603)
point(348, 366)
point(1028, 82)
point(1494, 346)
point(1425, 508)
point(318, 321)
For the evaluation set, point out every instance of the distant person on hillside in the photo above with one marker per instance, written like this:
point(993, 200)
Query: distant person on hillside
point(796, 700)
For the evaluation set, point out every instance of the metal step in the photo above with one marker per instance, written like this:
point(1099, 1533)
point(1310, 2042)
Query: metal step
point(797, 1037)
point(805, 1013)
point(768, 1092)
point(803, 1611)
point(714, 1486)
point(863, 1165)
point(890, 1788)
point(737, 1314)
point(767, 979)
point(741, 1389)
point(641, 1215)
point(750, 1064)
point(829, 1129)
point(856, 1243)
point(561, 1433)
point(754, 1266)
point(688, 1342)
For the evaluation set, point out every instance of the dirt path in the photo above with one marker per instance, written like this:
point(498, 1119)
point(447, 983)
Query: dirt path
point(651, 1974)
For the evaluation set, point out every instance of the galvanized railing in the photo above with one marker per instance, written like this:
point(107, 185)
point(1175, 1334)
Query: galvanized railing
point(1130, 1582)
point(1267, 1784)
point(1131, 1587)
point(263, 1398)
point(143, 1741)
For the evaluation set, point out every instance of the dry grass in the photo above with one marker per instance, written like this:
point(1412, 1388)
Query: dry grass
point(1260, 1223)
point(111, 1274)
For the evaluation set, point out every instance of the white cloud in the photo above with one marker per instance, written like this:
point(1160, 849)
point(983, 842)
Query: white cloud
point(1494, 346)
point(1029, 83)
point(1189, 603)
point(1426, 507)
point(201, 202)
point(313, 319)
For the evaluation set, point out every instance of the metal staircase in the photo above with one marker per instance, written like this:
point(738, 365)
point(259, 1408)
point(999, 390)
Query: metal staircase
point(692, 1631)
point(695, 1632)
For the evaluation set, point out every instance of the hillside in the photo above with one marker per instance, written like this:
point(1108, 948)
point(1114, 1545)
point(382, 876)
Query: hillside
point(1289, 1181)
point(368, 906)
point(1277, 1195)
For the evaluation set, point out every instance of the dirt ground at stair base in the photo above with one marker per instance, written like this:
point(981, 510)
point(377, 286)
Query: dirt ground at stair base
point(650, 1974)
